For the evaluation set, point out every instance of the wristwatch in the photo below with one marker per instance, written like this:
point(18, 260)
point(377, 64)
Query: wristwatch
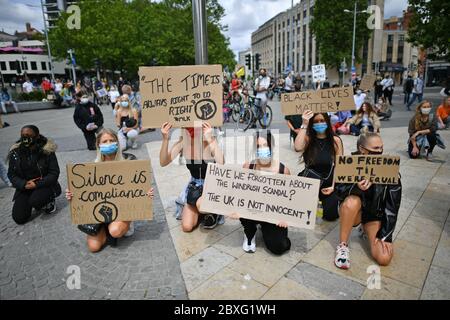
point(303, 127)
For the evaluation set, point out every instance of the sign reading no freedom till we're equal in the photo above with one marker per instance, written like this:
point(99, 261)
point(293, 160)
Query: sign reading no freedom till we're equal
point(320, 101)
point(110, 191)
point(181, 95)
point(376, 169)
point(260, 196)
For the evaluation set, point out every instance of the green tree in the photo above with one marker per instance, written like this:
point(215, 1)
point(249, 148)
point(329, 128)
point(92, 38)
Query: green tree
point(428, 27)
point(333, 30)
point(124, 35)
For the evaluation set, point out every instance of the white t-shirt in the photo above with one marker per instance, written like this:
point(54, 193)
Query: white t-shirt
point(58, 87)
point(27, 87)
point(359, 100)
point(263, 83)
point(288, 84)
point(387, 83)
point(418, 86)
point(113, 95)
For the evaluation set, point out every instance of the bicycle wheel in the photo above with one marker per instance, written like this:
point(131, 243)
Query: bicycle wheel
point(246, 120)
point(235, 112)
point(266, 120)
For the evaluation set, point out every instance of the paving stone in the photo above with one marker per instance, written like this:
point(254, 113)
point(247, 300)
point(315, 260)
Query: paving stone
point(421, 231)
point(288, 289)
point(437, 285)
point(391, 289)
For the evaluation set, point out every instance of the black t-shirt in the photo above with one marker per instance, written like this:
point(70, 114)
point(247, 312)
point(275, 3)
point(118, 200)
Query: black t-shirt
point(296, 121)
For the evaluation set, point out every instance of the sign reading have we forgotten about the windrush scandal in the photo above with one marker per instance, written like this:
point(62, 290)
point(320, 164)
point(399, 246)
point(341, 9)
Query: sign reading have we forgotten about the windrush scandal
point(376, 169)
point(320, 101)
point(260, 196)
point(110, 191)
point(181, 95)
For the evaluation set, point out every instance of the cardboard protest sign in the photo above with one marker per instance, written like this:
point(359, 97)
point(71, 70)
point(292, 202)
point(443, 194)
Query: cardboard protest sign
point(260, 196)
point(367, 82)
point(325, 100)
point(110, 191)
point(181, 95)
point(319, 73)
point(376, 169)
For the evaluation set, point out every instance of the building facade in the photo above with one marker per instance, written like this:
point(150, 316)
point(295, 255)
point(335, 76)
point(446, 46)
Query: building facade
point(285, 43)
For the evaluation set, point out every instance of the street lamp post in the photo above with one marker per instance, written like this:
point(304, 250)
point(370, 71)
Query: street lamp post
point(200, 31)
point(355, 12)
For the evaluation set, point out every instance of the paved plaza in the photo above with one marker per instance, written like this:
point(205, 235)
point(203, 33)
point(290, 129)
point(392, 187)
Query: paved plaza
point(161, 262)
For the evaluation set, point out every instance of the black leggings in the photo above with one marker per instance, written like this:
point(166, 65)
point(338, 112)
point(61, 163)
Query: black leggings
point(90, 139)
point(330, 206)
point(275, 238)
point(27, 200)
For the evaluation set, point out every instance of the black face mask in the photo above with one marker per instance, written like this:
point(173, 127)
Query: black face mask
point(27, 141)
point(374, 153)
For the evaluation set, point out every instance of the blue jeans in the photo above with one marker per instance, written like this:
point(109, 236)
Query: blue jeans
point(4, 172)
point(356, 130)
point(415, 96)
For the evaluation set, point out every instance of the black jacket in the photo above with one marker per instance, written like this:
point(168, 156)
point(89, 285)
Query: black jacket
point(82, 115)
point(46, 162)
point(380, 200)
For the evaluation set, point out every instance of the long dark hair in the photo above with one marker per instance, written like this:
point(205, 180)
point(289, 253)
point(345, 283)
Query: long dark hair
point(311, 149)
point(368, 107)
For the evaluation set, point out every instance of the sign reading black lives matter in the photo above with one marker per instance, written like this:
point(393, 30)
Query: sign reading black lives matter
point(320, 101)
point(376, 169)
point(181, 95)
point(260, 196)
point(110, 191)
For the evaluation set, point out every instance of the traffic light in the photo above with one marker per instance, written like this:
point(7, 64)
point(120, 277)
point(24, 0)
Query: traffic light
point(248, 61)
point(257, 61)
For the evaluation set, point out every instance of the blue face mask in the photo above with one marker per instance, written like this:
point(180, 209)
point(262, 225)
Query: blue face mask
point(108, 149)
point(124, 104)
point(320, 127)
point(263, 154)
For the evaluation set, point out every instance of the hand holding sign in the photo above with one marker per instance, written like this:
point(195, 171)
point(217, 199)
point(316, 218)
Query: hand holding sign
point(165, 130)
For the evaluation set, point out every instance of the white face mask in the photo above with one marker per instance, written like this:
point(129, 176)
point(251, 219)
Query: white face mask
point(426, 111)
point(84, 100)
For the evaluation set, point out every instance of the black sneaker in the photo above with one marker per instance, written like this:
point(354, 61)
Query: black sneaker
point(210, 221)
point(50, 207)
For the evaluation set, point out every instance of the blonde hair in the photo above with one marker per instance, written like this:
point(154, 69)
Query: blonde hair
point(112, 133)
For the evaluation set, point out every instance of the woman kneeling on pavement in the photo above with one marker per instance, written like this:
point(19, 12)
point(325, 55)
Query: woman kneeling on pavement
point(127, 120)
point(34, 172)
point(100, 234)
point(320, 147)
point(199, 146)
point(422, 132)
point(364, 120)
point(275, 236)
point(375, 206)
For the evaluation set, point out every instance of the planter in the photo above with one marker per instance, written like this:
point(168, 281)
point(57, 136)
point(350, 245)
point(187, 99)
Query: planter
point(32, 106)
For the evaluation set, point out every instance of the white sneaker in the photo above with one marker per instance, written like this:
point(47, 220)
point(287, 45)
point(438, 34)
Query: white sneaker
point(342, 259)
point(130, 231)
point(134, 145)
point(249, 246)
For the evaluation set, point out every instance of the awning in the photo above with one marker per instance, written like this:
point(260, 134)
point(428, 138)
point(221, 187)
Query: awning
point(21, 49)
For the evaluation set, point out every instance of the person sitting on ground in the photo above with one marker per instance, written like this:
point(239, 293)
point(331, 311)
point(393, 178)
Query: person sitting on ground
point(374, 206)
point(98, 235)
point(364, 120)
point(383, 109)
point(34, 172)
point(422, 132)
point(443, 114)
point(198, 146)
point(5, 100)
point(127, 118)
point(275, 235)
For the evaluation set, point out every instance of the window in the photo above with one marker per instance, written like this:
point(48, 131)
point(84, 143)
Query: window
point(24, 65)
point(391, 38)
point(33, 65)
point(288, 21)
point(12, 65)
point(304, 14)
point(43, 65)
point(2, 65)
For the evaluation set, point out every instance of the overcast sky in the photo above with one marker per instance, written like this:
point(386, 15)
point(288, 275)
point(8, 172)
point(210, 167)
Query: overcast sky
point(242, 16)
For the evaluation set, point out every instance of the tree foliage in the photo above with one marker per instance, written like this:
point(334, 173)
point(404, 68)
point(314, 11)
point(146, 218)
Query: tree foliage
point(333, 29)
point(124, 35)
point(429, 28)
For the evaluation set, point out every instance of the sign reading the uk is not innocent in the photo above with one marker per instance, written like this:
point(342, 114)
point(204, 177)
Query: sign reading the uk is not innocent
point(260, 196)
point(181, 95)
point(320, 101)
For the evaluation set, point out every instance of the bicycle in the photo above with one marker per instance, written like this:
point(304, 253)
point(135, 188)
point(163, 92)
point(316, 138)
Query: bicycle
point(255, 114)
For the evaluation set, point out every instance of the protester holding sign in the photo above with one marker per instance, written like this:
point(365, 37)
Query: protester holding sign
point(107, 145)
point(33, 171)
point(127, 118)
point(375, 206)
point(364, 120)
point(199, 146)
point(422, 132)
point(275, 236)
point(320, 147)
point(88, 118)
